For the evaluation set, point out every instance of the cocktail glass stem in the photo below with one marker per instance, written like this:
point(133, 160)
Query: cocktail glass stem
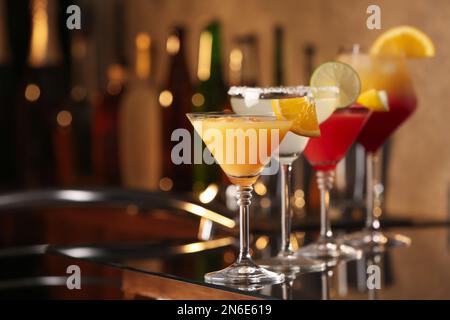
point(325, 181)
point(286, 210)
point(326, 247)
point(372, 236)
point(288, 261)
point(372, 221)
point(244, 195)
point(244, 273)
point(325, 278)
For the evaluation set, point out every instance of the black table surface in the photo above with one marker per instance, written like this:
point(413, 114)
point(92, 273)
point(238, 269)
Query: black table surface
point(421, 271)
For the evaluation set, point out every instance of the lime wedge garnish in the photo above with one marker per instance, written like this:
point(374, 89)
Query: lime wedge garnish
point(340, 75)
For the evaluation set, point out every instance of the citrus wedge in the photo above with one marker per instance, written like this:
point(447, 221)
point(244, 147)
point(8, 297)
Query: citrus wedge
point(303, 113)
point(340, 75)
point(326, 99)
point(375, 100)
point(403, 41)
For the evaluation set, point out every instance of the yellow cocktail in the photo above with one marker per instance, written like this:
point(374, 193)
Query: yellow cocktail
point(384, 68)
point(242, 146)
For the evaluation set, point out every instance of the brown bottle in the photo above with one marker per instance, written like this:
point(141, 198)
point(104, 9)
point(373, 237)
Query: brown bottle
point(7, 109)
point(244, 62)
point(105, 123)
point(40, 98)
point(105, 143)
point(80, 108)
point(175, 100)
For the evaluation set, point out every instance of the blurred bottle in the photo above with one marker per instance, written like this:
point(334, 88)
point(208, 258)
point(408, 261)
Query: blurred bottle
point(175, 100)
point(78, 116)
point(311, 191)
point(40, 98)
point(244, 61)
point(211, 93)
point(7, 108)
point(244, 71)
point(278, 74)
point(105, 126)
point(211, 88)
point(274, 182)
point(105, 155)
point(140, 124)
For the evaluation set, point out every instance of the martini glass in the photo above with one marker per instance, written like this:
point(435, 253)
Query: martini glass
point(337, 135)
point(248, 100)
point(389, 74)
point(242, 146)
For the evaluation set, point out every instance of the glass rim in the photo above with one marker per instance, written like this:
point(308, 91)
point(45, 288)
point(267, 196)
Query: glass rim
point(261, 92)
point(352, 48)
point(357, 50)
point(220, 114)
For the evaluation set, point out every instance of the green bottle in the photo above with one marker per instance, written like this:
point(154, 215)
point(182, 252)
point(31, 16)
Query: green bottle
point(210, 94)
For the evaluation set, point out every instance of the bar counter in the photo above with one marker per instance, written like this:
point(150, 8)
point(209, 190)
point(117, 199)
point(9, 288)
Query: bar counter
point(175, 269)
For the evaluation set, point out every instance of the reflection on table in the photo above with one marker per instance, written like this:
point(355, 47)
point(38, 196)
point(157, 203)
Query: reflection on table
point(176, 270)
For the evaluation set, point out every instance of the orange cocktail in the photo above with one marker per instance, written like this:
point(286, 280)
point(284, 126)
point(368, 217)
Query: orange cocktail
point(242, 146)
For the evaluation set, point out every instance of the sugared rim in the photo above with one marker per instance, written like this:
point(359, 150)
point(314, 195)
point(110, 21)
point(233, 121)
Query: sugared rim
point(260, 92)
point(226, 114)
point(269, 92)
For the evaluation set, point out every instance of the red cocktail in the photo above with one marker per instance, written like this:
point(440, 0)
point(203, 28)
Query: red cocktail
point(389, 74)
point(381, 125)
point(338, 133)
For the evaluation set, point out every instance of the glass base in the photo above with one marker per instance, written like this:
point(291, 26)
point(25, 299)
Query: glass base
point(291, 263)
point(367, 239)
point(329, 250)
point(245, 275)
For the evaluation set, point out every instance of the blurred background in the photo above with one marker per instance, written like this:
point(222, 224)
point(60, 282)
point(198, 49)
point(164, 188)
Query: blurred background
point(97, 106)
